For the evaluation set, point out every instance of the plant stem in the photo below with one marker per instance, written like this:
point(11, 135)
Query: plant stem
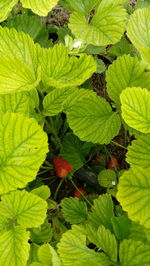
point(81, 193)
point(118, 144)
point(57, 189)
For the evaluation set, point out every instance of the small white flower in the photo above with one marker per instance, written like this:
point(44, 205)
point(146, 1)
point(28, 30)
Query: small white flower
point(113, 183)
point(77, 44)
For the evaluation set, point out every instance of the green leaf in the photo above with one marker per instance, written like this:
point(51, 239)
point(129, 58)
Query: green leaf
point(107, 242)
point(121, 226)
point(48, 255)
point(125, 72)
point(134, 194)
point(23, 148)
point(74, 150)
point(139, 36)
point(42, 7)
point(139, 152)
point(142, 4)
point(5, 8)
point(23, 208)
point(19, 63)
point(106, 26)
point(134, 253)
point(15, 103)
point(41, 234)
point(102, 212)
point(136, 113)
point(77, 96)
point(54, 100)
point(44, 254)
point(74, 211)
point(107, 178)
point(15, 75)
point(33, 256)
point(73, 251)
point(92, 120)
point(42, 191)
point(37, 32)
point(60, 71)
point(100, 65)
point(83, 7)
point(138, 232)
point(14, 247)
point(121, 48)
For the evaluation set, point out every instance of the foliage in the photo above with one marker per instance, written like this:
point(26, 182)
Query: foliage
point(53, 121)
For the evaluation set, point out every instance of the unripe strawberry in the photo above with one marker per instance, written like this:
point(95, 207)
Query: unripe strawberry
point(77, 194)
point(62, 167)
point(113, 162)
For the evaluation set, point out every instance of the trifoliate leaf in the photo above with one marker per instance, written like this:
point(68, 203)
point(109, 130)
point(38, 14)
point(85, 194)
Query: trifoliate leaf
point(74, 150)
point(134, 194)
point(42, 7)
point(60, 71)
point(19, 68)
point(54, 100)
point(136, 113)
point(14, 247)
point(73, 251)
point(22, 208)
point(107, 178)
point(102, 212)
point(134, 253)
point(15, 103)
point(23, 148)
point(5, 8)
point(92, 120)
point(42, 191)
point(140, 36)
point(37, 32)
point(107, 242)
point(74, 211)
point(139, 152)
point(106, 26)
point(125, 72)
point(121, 226)
point(41, 234)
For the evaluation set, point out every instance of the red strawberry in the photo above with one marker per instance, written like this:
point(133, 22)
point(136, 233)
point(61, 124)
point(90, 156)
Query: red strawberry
point(113, 162)
point(62, 167)
point(77, 193)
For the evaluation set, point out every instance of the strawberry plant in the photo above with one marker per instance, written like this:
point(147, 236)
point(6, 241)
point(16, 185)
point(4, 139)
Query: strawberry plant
point(74, 139)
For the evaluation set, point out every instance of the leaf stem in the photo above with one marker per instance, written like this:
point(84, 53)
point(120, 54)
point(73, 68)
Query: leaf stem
point(119, 145)
point(57, 189)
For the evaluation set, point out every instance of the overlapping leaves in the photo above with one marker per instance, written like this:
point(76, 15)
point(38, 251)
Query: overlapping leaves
point(41, 7)
point(125, 72)
point(60, 70)
point(106, 26)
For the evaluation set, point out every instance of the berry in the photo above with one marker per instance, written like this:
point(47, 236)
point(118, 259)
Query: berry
point(113, 162)
point(62, 167)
